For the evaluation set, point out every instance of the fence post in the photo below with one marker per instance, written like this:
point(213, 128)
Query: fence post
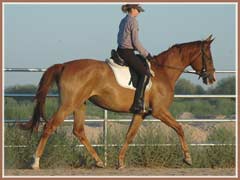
point(105, 126)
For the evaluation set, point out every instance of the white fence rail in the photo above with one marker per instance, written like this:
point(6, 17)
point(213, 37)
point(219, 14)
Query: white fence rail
point(105, 120)
point(44, 69)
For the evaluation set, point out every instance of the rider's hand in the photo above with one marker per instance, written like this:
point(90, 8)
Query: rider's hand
point(149, 57)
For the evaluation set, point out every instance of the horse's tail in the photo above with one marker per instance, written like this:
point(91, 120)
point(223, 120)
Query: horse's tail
point(51, 75)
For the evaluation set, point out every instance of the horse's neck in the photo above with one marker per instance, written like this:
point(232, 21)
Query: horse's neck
point(174, 74)
point(173, 64)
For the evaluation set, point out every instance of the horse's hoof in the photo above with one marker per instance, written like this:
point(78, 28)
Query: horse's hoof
point(35, 167)
point(188, 161)
point(100, 164)
point(35, 163)
point(120, 166)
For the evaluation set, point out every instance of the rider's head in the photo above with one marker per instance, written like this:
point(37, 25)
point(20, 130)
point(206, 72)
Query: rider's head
point(132, 9)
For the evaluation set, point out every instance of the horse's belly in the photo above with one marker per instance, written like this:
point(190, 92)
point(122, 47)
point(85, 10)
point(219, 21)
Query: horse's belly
point(109, 103)
point(118, 102)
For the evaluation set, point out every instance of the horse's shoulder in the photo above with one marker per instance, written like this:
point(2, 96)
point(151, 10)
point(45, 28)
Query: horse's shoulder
point(163, 82)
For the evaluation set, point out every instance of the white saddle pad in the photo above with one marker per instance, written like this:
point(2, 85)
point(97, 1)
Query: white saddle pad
point(123, 76)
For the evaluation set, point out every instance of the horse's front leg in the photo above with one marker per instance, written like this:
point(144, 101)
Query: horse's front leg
point(133, 128)
point(165, 116)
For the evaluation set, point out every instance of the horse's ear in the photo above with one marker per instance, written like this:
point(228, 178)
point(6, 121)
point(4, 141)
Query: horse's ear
point(209, 38)
point(212, 40)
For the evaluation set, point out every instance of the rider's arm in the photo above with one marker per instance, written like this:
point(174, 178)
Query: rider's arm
point(135, 40)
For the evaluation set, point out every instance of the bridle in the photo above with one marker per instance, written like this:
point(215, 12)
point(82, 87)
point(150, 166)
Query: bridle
point(201, 73)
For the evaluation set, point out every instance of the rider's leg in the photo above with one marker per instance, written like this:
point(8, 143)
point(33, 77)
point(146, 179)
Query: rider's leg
point(138, 105)
point(133, 61)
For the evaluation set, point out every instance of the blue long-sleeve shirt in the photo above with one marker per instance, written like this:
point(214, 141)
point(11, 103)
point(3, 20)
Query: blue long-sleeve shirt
point(128, 35)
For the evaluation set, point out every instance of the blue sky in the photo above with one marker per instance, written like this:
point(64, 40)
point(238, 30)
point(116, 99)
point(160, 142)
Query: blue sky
point(40, 35)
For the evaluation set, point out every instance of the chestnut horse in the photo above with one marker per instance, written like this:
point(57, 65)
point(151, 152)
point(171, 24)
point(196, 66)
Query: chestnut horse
point(87, 79)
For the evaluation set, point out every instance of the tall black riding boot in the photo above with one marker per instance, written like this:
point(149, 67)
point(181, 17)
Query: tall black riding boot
point(138, 105)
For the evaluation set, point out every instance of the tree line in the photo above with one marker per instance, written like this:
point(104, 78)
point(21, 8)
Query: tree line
point(22, 107)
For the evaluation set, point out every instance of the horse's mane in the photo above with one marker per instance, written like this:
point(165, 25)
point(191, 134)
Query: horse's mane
point(176, 47)
point(186, 44)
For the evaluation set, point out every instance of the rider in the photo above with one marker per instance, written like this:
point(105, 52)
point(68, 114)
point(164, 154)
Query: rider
point(128, 42)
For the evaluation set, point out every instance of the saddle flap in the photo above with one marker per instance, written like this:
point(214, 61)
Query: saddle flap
point(123, 76)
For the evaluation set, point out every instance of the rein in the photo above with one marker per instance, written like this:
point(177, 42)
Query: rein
point(201, 73)
point(176, 68)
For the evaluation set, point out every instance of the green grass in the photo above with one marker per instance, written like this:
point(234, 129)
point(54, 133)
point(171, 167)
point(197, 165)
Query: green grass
point(61, 150)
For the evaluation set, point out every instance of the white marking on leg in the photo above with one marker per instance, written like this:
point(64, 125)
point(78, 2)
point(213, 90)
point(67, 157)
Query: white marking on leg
point(35, 165)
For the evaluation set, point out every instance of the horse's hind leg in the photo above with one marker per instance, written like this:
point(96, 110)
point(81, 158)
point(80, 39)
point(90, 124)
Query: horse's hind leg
point(49, 128)
point(78, 131)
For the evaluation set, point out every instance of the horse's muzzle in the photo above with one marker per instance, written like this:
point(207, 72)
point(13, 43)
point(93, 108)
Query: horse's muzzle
point(209, 78)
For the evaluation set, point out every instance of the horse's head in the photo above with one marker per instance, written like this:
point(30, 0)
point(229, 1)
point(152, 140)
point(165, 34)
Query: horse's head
point(202, 63)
